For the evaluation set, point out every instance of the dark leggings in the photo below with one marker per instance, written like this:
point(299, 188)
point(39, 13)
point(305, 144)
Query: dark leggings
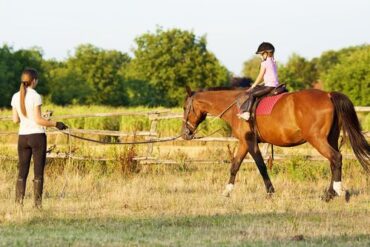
point(28, 145)
point(258, 91)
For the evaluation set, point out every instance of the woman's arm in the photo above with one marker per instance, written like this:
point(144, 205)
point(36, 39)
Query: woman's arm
point(40, 120)
point(259, 77)
point(15, 116)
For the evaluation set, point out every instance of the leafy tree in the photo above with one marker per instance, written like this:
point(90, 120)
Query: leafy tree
point(166, 61)
point(251, 67)
point(143, 93)
point(298, 73)
point(351, 75)
point(12, 64)
point(90, 76)
point(329, 59)
point(68, 87)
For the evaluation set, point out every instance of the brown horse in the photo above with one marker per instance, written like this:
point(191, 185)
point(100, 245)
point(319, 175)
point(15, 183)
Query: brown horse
point(312, 116)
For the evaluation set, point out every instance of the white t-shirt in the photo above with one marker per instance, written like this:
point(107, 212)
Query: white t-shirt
point(27, 124)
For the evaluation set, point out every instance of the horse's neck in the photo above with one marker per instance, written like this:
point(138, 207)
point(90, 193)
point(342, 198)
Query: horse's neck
point(216, 102)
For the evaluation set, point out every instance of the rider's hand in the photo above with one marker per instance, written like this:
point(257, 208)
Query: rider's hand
point(251, 88)
point(61, 126)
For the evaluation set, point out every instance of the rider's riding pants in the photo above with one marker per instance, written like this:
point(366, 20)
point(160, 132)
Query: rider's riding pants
point(258, 91)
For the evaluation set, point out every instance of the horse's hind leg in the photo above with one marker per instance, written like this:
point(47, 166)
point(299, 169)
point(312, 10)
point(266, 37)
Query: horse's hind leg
point(328, 147)
point(257, 156)
point(336, 170)
point(235, 166)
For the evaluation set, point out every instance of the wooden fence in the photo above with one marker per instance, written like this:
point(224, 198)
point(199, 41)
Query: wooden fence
point(152, 134)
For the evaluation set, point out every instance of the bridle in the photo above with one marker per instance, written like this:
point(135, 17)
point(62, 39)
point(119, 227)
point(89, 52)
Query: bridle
point(189, 107)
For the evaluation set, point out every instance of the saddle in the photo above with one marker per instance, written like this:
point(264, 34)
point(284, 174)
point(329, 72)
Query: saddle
point(243, 98)
point(278, 90)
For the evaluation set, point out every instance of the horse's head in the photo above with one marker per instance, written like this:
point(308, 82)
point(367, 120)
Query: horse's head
point(193, 115)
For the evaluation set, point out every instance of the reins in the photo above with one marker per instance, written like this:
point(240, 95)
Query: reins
point(224, 111)
point(69, 134)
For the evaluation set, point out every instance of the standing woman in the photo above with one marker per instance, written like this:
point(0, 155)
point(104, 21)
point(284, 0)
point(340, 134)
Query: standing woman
point(32, 138)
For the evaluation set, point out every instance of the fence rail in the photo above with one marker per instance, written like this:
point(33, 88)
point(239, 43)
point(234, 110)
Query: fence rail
point(362, 108)
point(158, 115)
point(152, 134)
point(101, 114)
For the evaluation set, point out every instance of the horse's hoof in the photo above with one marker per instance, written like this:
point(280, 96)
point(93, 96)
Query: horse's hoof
point(347, 196)
point(226, 193)
point(343, 193)
point(328, 196)
point(269, 195)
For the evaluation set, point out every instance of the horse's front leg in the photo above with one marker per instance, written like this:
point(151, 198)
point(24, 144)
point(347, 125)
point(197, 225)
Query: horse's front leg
point(256, 155)
point(237, 160)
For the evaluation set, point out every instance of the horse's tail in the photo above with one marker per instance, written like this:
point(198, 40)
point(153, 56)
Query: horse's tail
point(352, 128)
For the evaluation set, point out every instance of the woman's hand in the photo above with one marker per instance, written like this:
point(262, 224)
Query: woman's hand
point(61, 126)
point(251, 88)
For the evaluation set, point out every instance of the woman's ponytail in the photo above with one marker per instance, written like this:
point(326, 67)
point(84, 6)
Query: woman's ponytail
point(22, 96)
point(32, 75)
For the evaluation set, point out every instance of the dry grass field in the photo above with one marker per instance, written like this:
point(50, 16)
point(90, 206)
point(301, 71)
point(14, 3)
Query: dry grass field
point(181, 205)
point(122, 203)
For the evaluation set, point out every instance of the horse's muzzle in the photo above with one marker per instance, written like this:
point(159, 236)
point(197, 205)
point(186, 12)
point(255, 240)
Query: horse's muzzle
point(187, 134)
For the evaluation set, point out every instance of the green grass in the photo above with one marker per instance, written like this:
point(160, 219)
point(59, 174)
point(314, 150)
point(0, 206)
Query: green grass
point(215, 230)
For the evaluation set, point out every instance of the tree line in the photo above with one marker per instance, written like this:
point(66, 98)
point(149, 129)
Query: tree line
point(163, 63)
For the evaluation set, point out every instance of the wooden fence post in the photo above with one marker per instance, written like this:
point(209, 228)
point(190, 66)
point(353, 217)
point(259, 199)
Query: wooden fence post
point(265, 149)
point(153, 117)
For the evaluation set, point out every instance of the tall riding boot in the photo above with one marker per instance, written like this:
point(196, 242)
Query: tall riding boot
point(20, 189)
point(37, 191)
point(247, 105)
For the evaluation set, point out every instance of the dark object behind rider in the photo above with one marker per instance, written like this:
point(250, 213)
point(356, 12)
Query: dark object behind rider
point(268, 73)
point(26, 106)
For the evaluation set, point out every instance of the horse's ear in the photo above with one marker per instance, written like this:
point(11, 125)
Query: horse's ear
point(188, 90)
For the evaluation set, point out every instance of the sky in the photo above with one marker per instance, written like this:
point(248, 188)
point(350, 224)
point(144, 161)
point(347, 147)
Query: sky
point(234, 28)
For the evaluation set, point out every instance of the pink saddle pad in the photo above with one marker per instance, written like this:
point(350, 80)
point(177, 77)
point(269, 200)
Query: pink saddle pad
point(266, 105)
